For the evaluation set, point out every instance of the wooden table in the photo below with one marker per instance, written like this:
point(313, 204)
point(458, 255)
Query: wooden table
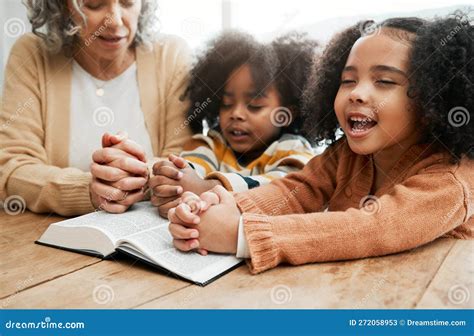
point(437, 275)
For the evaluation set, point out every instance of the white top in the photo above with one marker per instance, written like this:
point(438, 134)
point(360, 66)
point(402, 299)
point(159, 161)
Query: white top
point(118, 109)
point(242, 245)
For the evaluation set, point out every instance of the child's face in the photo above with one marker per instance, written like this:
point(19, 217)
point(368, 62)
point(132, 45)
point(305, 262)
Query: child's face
point(244, 117)
point(372, 105)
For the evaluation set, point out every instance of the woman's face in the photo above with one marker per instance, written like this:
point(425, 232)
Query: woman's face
point(110, 27)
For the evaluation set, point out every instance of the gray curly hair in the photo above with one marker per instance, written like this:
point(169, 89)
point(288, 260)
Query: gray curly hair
point(58, 31)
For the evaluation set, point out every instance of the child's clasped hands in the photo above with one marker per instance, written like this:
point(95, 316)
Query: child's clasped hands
point(208, 222)
point(171, 178)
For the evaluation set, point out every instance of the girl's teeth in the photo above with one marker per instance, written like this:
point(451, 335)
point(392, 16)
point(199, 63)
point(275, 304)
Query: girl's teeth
point(361, 119)
point(360, 126)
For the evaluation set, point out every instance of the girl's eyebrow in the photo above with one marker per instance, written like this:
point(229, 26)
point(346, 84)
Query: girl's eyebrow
point(249, 94)
point(256, 95)
point(349, 68)
point(389, 69)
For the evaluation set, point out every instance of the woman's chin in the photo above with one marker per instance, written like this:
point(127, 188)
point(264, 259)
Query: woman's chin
point(106, 52)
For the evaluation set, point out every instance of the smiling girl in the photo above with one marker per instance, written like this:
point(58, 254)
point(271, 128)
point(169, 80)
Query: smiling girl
point(402, 174)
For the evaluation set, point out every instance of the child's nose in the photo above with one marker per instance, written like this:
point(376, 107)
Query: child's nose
point(359, 94)
point(238, 113)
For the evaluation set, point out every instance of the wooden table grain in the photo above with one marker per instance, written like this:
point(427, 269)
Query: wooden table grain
point(437, 275)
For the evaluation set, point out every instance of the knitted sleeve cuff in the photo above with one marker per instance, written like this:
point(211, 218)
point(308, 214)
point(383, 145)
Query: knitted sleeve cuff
point(246, 204)
point(259, 236)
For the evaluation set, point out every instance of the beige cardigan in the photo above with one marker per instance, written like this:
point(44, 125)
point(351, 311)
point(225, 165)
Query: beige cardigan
point(34, 119)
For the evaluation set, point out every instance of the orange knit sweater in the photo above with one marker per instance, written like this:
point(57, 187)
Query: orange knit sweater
point(424, 197)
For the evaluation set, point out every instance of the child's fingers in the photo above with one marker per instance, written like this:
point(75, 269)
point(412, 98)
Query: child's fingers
point(178, 161)
point(182, 232)
point(161, 201)
point(186, 245)
point(224, 195)
point(185, 214)
point(158, 180)
point(170, 172)
point(165, 191)
point(182, 215)
point(202, 252)
point(193, 201)
point(166, 168)
point(188, 195)
point(158, 164)
point(209, 198)
point(164, 207)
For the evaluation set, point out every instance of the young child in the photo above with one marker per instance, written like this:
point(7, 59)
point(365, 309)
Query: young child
point(401, 176)
point(250, 95)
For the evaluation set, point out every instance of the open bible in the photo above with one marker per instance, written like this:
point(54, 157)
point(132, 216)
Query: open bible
point(141, 233)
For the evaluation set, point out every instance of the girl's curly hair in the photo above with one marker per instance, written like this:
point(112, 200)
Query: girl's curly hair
point(296, 52)
point(443, 78)
point(323, 84)
point(440, 80)
point(284, 62)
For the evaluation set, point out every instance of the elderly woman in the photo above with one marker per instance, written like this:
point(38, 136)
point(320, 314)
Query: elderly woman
point(90, 69)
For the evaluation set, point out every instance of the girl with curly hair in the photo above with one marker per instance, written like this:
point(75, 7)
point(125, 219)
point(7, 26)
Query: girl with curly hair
point(250, 95)
point(401, 175)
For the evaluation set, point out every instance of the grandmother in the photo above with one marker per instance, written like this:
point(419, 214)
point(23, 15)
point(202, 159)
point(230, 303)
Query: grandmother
point(89, 69)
